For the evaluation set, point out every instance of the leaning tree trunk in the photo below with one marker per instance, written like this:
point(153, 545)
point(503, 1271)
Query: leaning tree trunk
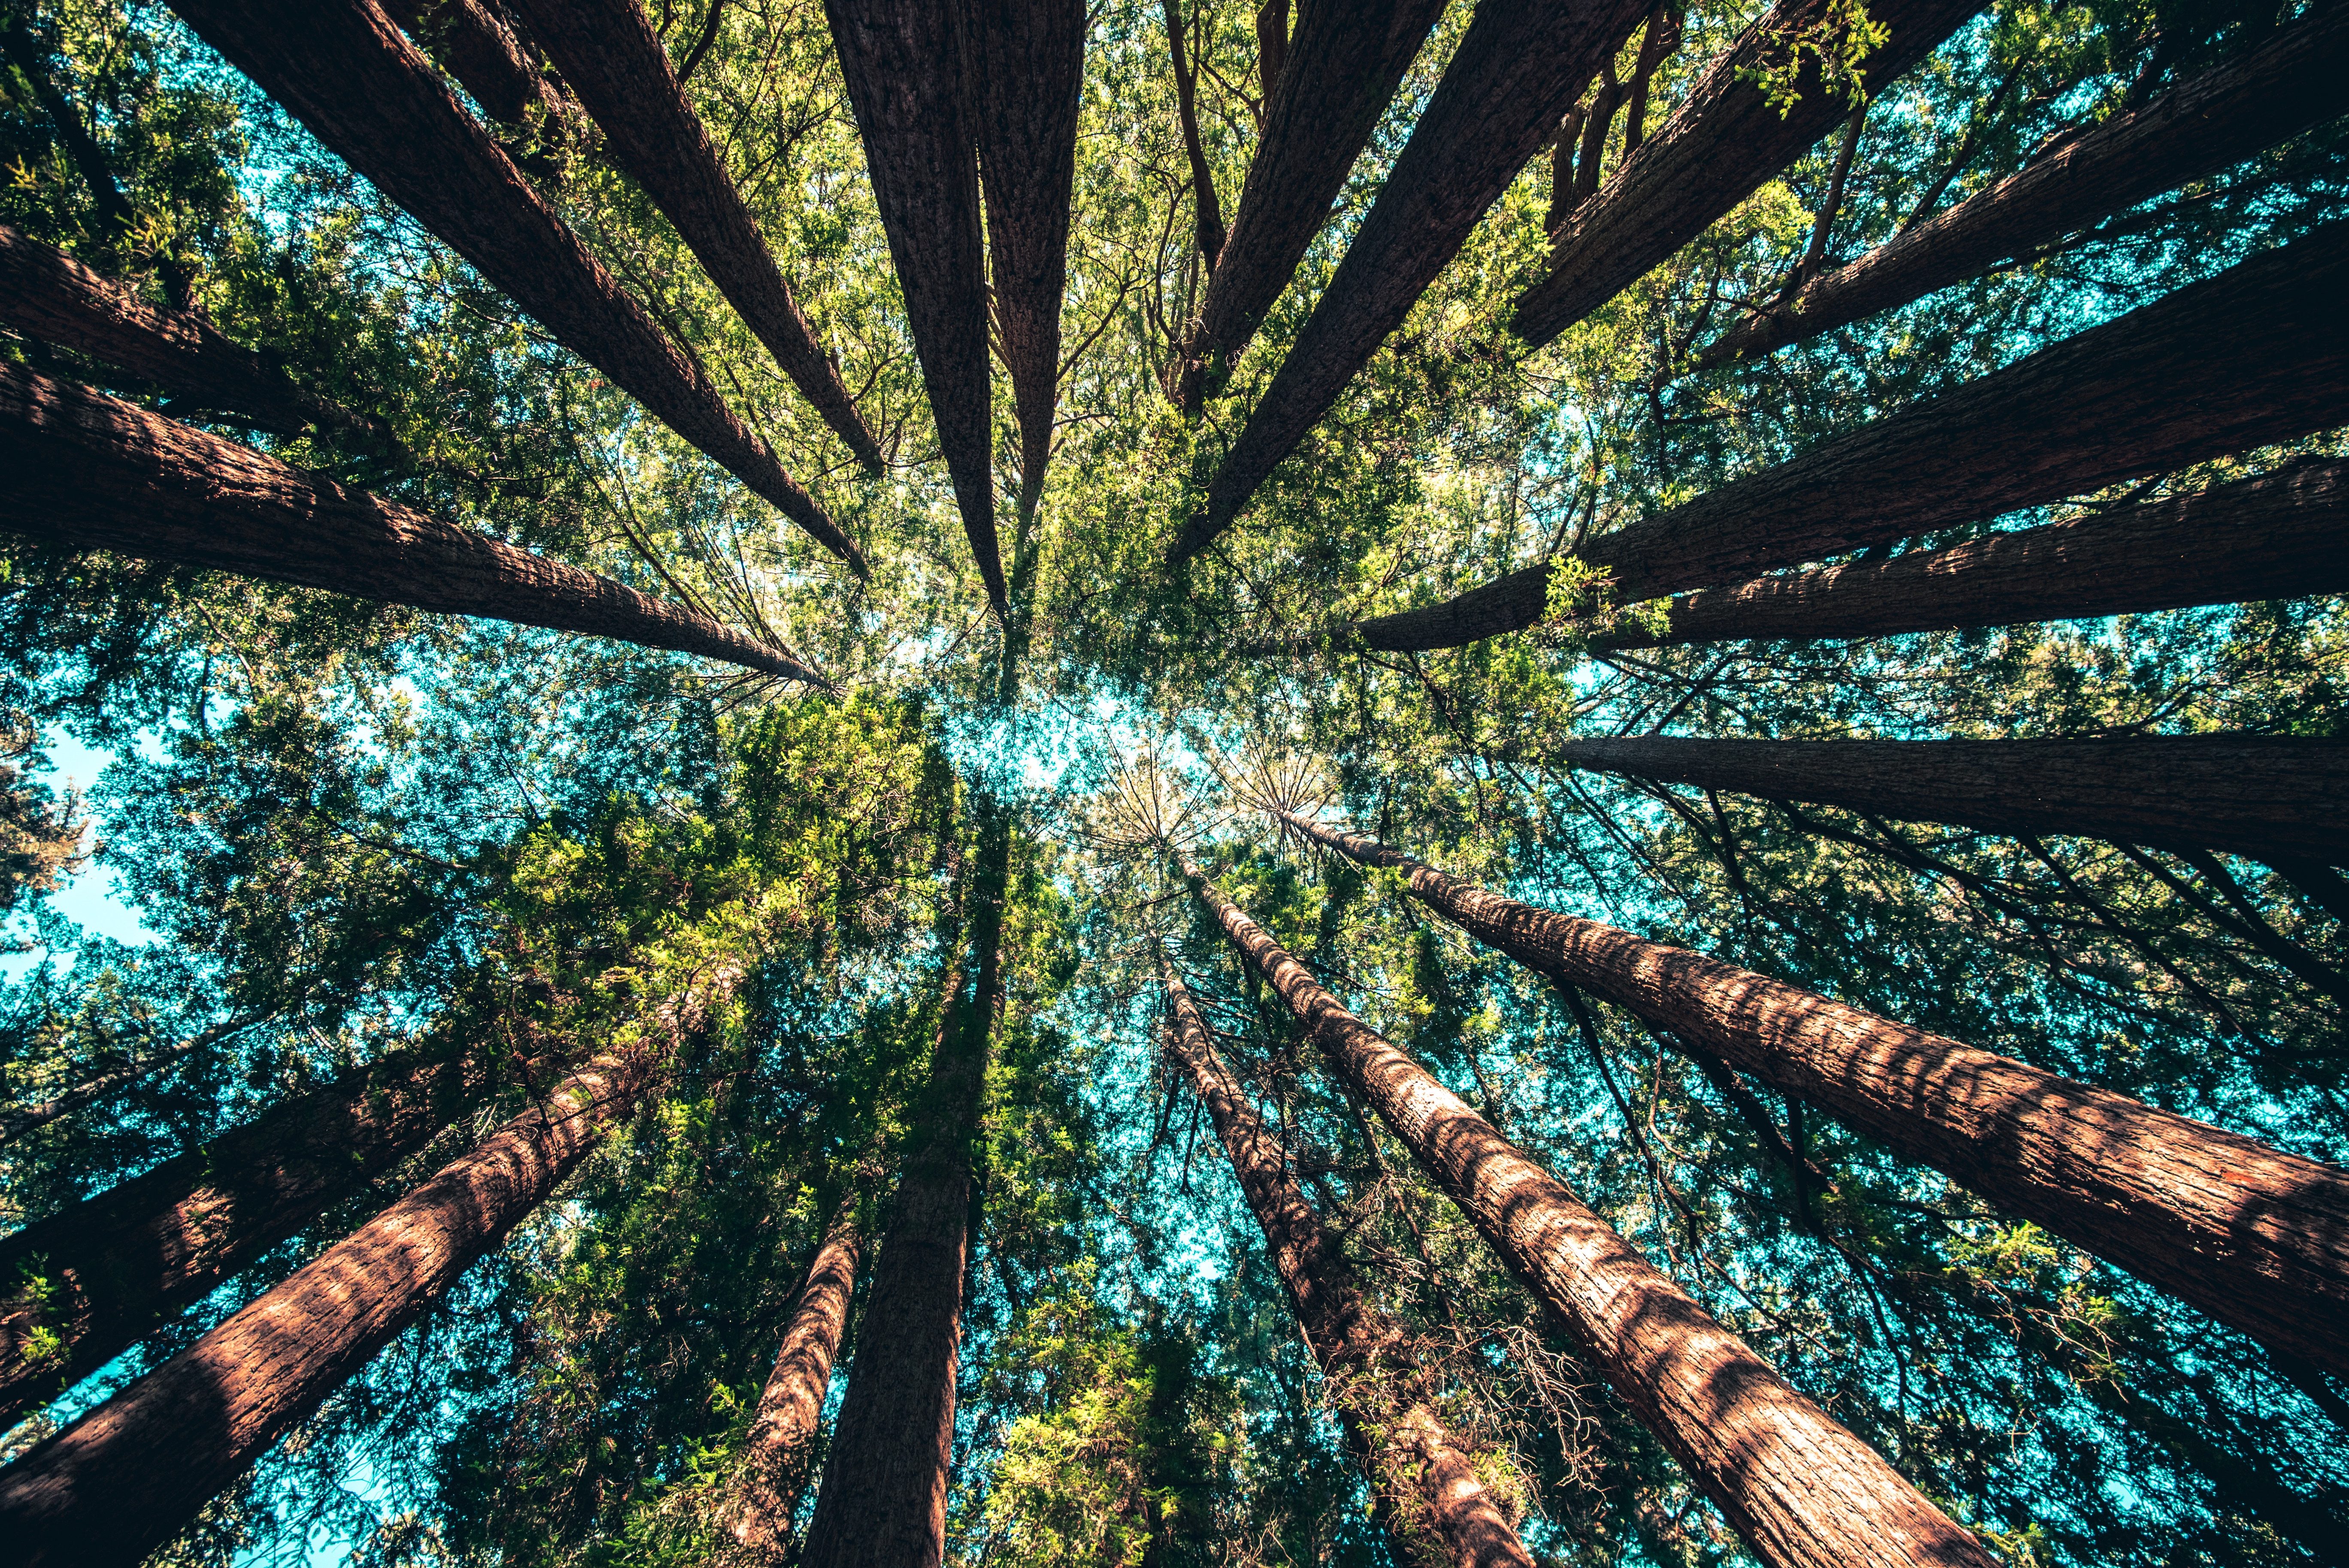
point(15, 1124)
point(2281, 536)
point(1333, 81)
point(2228, 364)
point(131, 1474)
point(907, 66)
point(346, 73)
point(2257, 1238)
point(96, 473)
point(1426, 1481)
point(2282, 88)
point(609, 57)
point(1724, 142)
point(1798, 1487)
point(482, 53)
point(1513, 75)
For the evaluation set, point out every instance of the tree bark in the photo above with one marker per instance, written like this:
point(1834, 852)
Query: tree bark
point(2257, 1238)
point(1428, 1487)
point(609, 57)
point(1208, 232)
point(94, 473)
point(2277, 90)
point(1657, 45)
point(126, 1478)
point(909, 72)
point(481, 52)
point(2228, 364)
point(346, 72)
point(1515, 72)
point(1723, 143)
point(15, 1124)
point(1031, 57)
point(2281, 536)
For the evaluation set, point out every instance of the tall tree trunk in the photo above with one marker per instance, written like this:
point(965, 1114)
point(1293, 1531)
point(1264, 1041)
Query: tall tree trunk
point(96, 473)
point(2282, 88)
point(346, 72)
point(609, 57)
point(1517, 71)
point(781, 1441)
point(15, 1124)
point(2257, 1238)
point(1209, 229)
point(126, 1478)
point(1657, 45)
point(2281, 536)
point(1335, 77)
point(1798, 1487)
point(1030, 58)
point(1426, 1480)
point(480, 51)
point(909, 71)
point(2231, 363)
point(1724, 142)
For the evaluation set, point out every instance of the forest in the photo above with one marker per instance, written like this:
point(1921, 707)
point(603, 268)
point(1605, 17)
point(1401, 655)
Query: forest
point(1194, 784)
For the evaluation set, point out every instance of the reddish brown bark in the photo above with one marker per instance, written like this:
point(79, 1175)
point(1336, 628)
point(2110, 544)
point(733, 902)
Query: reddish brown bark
point(1796, 1486)
point(1516, 71)
point(2228, 364)
point(909, 80)
point(1723, 143)
point(346, 72)
point(1428, 1488)
point(2277, 90)
point(609, 57)
point(482, 53)
point(96, 473)
point(2255, 1237)
point(132, 1473)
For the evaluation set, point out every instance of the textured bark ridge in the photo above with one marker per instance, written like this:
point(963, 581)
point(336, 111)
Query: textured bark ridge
point(130, 1475)
point(100, 1275)
point(1798, 1487)
point(1513, 73)
point(92, 473)
point(609, 57)
point(2289, 83)
point(2277, 537)
point(2228, 364)
point(2257, 1238)
point(1334, 78)
point(1723, 143)
point(481, 52)
point(1428, 1488)
point(909, 73)
point(1030, 58)
point(346, 72)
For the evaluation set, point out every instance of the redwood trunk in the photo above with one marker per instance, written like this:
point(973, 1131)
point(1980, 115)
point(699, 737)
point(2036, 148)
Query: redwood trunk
point(2281, 536)
point(609, 57)
point(482, 53)
point(96, 473)
point(2231, 363)
point(2257, 1238)
point(1421, 1474)
point(126, 1478)
point(1723, 143)
point(346, 72)
point(791, 1411)
point(1515, 74)
point(1798, 1487)
point(2277, 90)
point(908, 69)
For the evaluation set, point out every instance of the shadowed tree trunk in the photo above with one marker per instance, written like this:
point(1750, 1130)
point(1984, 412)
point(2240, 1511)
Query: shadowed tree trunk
point(1515, 72)
point(1724, 142)
point(1657, 45)
point(1334, 79)
point(1029, 61)
point(2281, 536)
point(908, 68)
point(15, 1124)
point(2255, 1237)
point(96, 473)
point(1271, 48)
point(2277, 90)
point(1421, 1472)
point(481, 52)
point(1798, 1487)
point(608, 56)
point(2226, 365)
point(346, 72)
point(132, 1473)
point(1207, 231)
